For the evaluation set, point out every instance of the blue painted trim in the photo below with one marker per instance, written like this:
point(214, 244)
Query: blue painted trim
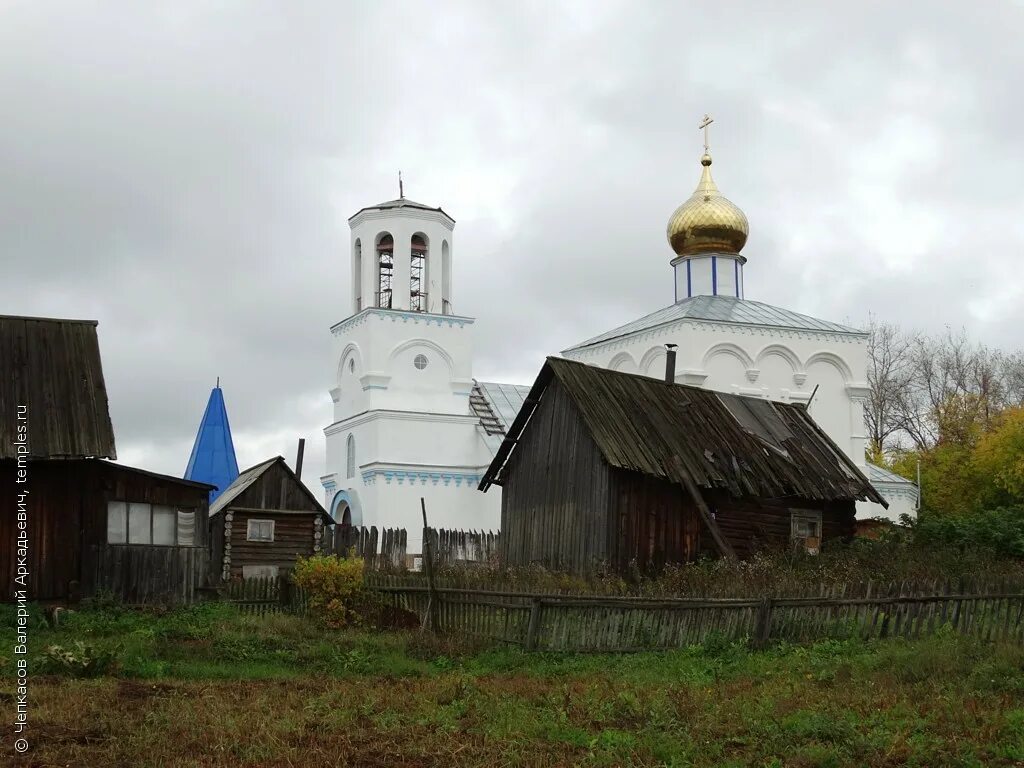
point(414, 477)
point(736, 275)
point(353, 504)
point(714, 275)
point(689, 281)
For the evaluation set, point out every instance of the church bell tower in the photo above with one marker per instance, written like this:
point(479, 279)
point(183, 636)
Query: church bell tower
point(402, 378)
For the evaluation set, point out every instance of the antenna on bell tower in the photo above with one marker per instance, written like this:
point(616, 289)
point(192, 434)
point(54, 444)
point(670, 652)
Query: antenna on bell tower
point(401, 189)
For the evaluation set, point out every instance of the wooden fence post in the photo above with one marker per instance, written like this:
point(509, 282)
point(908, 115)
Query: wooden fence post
point(532, 630)
point(763, 627)
point(428, 566)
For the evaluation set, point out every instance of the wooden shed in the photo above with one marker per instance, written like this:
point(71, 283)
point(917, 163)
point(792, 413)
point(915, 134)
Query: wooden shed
point(71, 523)
point(265, 521)
point(603, 468)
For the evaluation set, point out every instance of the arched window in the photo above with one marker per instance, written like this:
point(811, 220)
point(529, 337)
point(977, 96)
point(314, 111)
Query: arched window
point(357, 276)
point(350, 457)
point(385, 268)
point(418, 273)
point(446, 278)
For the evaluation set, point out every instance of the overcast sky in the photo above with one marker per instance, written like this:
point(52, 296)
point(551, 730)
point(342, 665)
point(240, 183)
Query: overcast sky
point(184, 176)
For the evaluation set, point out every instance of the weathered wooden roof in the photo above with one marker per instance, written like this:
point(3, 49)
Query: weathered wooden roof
point(249, 476)
point(52, 367)
point(749, 446)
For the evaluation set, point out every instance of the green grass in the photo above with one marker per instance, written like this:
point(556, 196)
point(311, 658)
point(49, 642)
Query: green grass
point(206, 686)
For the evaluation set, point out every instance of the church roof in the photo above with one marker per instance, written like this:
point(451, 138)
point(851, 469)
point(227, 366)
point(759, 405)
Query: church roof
point(401, 202)
point(497, 405)
point(879, 474)
point(213, 454)
point(721, 309)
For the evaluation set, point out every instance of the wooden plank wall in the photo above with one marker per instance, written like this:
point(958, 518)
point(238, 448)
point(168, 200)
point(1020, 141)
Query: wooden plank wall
point(141, 574)
point(554, 505)
point(276, 488)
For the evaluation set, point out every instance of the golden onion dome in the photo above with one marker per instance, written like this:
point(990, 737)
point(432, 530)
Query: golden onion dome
point(707, 222)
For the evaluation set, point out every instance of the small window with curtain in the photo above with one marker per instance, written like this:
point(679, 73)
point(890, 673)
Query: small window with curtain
point(132, 522)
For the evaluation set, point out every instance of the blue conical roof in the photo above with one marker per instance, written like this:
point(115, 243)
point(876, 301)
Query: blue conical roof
point(213, 455)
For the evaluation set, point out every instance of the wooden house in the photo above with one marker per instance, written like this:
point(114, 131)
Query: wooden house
point(264, 521)
point(603, 468)
point(71, 523)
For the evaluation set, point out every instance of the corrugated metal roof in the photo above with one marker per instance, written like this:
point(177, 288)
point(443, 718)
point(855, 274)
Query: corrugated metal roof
point(721, 309)
point(500, 406)
point(52, 367)
point(750, 446)
point(879, 474)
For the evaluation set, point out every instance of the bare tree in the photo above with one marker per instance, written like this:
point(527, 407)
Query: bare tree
point(891, 363)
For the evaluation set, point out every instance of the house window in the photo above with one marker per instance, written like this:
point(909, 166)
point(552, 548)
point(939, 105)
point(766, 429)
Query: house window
point(260, 530)
point(132, 522)
point(805, 529)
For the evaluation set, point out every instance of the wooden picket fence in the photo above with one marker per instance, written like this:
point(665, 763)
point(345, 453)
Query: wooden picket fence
point(559, 622)
point(264, 595)
point(449, 547)
point(387, 550)
point(383, 550)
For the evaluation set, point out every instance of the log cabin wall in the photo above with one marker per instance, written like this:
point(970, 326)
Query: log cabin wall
point(293, 538)
point(554, 505)
point(752, 524)
point(653, 522)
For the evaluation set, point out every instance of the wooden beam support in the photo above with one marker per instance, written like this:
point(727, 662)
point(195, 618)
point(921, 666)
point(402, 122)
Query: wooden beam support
point(677, 471)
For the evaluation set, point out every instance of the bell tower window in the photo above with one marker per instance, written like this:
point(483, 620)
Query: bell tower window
point(446, 279)
point(357, 276)
point(417, 273)
point(385, 269)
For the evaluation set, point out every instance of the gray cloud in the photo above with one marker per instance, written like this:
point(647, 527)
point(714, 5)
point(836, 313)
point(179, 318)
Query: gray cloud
point(184, 176)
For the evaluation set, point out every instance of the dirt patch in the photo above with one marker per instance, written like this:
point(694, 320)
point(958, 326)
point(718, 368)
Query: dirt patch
point(133, 690)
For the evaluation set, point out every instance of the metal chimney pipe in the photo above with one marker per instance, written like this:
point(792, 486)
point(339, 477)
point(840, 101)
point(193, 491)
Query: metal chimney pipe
point(670, 364)
point(298, 457)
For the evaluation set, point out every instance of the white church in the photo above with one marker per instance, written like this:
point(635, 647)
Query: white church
point(410, 421)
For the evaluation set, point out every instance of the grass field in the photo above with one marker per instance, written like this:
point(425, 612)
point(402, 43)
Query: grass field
point(207, 687)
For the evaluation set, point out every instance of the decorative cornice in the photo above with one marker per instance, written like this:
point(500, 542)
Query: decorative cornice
point(381, 413)
point(740, 329)
point(412, 474)
point(408, 212)
point(400, 316)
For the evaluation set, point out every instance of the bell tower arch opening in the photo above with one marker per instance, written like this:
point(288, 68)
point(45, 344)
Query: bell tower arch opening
point(385, 269)
point(418, 273)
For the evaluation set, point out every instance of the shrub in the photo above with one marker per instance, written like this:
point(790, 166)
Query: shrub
point(334, 587)
point(78, 660)
point(1000, 531)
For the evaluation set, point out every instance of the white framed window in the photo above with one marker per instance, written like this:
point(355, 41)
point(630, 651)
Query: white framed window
point(259, 571)
point(133, 522)
point(350, 456)
point(805, 529)
point(420, 361)
point(260, 530)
